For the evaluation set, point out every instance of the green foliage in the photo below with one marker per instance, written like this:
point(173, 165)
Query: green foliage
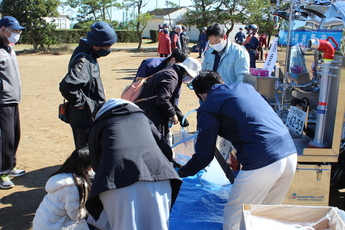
point(127, 36)
point(154, 35)
point(92, 10)
point(30, 13)
point(64, 36)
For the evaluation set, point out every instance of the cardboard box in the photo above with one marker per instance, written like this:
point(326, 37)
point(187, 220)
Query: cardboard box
point(264, 85)
point(283, 217)
point(310, 185)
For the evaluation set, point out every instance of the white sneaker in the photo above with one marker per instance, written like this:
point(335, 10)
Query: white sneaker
point(16, 172)
point(5, 182)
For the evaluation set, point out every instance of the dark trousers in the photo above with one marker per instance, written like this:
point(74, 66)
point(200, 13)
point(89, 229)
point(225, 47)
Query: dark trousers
point(79, 135)
point(9, 137)
point(252, 54)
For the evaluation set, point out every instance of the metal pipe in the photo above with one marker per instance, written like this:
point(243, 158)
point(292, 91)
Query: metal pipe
point(318, 141)
point(328, 56)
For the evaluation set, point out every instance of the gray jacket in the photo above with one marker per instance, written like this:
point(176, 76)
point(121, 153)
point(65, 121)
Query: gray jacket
point(10, 86)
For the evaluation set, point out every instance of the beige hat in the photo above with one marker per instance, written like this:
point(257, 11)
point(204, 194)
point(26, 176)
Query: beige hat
point(192, 66)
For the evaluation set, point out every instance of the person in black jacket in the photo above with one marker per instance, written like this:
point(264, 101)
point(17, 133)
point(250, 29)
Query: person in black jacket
point(82, 86)
point(135, 184)
point(163, 89)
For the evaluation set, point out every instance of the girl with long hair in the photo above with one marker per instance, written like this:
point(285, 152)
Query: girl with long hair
point(63, 207)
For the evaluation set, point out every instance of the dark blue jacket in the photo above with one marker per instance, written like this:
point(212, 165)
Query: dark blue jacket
point(238, 113)
point(150, 66)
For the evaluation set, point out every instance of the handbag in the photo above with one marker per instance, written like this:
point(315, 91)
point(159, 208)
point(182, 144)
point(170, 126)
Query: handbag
point(64, 111)
point(133, 90)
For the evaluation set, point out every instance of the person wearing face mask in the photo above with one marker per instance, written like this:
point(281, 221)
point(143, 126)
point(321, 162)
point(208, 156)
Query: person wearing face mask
point(265, 149)
point(82, 86)
point(227, 58)
point(163, 89)
point(253, 45)
point(10, 95)
point(184, 39)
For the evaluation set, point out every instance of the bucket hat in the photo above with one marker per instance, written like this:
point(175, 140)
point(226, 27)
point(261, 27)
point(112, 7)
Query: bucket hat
point(191, 65)
point(101, 34)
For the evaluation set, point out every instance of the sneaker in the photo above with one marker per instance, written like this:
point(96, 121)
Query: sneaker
point(16, 172)
point(5, 182)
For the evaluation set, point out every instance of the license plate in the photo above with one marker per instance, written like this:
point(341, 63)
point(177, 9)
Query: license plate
point(295, 119)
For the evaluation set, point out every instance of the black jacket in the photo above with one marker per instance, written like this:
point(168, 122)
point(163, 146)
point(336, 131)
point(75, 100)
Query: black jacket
point(166, 85)
point(125, 147)
point(82, 85)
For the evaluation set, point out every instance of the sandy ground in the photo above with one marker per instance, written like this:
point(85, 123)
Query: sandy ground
point(45, 140)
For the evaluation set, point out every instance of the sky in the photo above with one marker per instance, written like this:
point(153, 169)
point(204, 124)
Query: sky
point(118, 15)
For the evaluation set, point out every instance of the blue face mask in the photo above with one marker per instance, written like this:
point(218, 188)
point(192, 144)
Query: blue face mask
point(103, 53)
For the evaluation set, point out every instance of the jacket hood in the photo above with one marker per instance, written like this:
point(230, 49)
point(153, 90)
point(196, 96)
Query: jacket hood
point(59, 181)
point(116, 107)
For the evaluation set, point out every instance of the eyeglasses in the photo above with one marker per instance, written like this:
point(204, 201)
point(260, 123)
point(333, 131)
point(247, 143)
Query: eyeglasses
point(9, 29)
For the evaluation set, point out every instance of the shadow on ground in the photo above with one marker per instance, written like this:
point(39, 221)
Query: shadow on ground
point(20, 214)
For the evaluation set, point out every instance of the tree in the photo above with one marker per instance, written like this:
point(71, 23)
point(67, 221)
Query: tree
point(229, 12)
point(93, 10)
point(30, 14)
point(259, 13)
point(201, 13)
point(140, 19)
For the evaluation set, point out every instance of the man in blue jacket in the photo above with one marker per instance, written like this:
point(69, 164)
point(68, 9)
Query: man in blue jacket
point(265, 149)
point(227, 58)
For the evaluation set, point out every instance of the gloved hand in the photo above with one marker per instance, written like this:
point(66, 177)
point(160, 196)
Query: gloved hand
point(180, 115)
point(181, 174)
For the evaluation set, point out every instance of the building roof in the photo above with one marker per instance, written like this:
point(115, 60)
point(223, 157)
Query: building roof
point(164, 11)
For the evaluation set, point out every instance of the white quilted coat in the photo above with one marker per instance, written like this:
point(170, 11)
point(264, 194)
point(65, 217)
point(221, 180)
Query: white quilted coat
point(60, 206)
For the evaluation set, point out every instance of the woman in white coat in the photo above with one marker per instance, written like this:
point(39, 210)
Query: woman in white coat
point(63, 207)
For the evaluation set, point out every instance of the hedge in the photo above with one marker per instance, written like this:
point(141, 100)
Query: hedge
point(154, 35)
point(73, 36)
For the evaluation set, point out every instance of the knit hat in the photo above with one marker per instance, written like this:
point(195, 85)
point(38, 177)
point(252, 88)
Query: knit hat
point(9, 21)
point(101, 34)
point(191, 65)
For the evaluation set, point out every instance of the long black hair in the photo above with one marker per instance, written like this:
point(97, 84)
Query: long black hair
point(78, 164)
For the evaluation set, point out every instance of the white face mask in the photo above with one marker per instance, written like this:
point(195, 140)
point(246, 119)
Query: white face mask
point(219, 46)
point(251, 31)
point(14, 37)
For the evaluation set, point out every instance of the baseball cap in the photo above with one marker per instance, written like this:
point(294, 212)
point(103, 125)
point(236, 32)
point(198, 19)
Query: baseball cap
point(191, 65)
point(9, 21)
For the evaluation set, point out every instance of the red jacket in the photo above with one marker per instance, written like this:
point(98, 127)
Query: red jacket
point(164, 46)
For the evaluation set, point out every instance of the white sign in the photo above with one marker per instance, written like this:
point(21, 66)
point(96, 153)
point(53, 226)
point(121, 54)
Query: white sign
point(295, 119)
point(271, 57)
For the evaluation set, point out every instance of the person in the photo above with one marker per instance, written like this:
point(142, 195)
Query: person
point(253, 44)
point(265, 149)
point(135, 184)
point(82, 86)
point(184, 39)
point(63, 207)
point(263, 40)
point(164, 90)
point(202, 41)
point(248, 35)
point(161, 30)
point(240, 36)
point(150, 66)
point(164, 44)
point(10, 96)
point(230, 60)
point(175, 38)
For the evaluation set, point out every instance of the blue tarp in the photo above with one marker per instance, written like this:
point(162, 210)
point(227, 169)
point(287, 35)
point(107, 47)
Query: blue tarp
point(199, 205)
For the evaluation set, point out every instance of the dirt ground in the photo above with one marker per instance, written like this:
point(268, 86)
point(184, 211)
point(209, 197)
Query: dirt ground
point(45, 140)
